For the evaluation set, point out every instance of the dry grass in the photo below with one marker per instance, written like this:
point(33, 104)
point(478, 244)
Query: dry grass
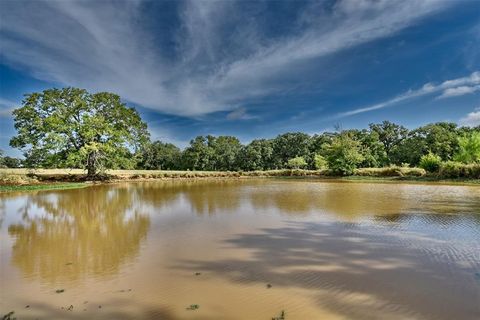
point(32, 176)
point(392, 171)
point(12, 177)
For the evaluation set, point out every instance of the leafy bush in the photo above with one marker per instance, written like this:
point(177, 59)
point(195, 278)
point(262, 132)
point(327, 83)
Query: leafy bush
point(343, 154)
point(297, 163)
point(391, 171)
point(16, 179)
point(320, 162)
point(430, 162)
point(453, 169)
point(469, 148)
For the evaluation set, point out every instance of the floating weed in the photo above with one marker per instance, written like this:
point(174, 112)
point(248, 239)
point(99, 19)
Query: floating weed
point(197, 273)
point(60, 290)
point(269, 285)
point(193, 307)
point(70, 308)
point(281, 317)
point(9, 316)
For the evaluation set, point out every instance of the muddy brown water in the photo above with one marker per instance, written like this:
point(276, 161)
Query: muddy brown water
point(242, 249)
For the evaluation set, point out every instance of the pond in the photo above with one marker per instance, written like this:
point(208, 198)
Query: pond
point(242, 249)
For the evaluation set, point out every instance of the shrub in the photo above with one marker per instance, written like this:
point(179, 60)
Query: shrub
point(297, 163)
point(453, 169)
point(320, 162)
point(430, 162)
point(343, 154)
point(391, 171)
point(469, 148)
point(16, 179)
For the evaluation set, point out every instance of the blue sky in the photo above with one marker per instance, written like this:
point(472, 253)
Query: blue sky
point(250, 69)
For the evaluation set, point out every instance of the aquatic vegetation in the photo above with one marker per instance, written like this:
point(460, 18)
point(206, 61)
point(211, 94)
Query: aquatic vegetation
point(193, 307)
point(280, 317)
point(60, 290)
point(9, 316)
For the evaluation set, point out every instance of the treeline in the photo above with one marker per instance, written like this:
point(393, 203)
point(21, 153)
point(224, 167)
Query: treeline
point(380, 145)
point(341, 152)
point(72, 128)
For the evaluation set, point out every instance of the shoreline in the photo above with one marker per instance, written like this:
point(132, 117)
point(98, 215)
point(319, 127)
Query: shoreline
point(14, 180)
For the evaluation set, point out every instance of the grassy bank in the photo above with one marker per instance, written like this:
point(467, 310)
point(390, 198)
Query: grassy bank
point(41, 186)
point(29, 179)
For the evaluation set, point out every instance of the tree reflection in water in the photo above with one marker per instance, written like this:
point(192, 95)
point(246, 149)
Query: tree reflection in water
point(78, 233)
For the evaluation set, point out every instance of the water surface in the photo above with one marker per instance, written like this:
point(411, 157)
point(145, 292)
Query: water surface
point(242, 249)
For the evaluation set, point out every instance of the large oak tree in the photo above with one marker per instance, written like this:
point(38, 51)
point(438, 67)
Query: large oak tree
point(71, 127)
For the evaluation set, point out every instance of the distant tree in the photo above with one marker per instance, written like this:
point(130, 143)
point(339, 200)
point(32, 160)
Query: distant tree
point(409, 150)
point(257, 155)
point(390, 134)
point(297, 163)
point(72, 127)
point(343, 154)
point(198, 156)
point(469, 148)
point(10, 162)
point(317, 141)
point(438, 138)
point(161, 156)
point(225, 152)
point(371, 148)
point(290, 145)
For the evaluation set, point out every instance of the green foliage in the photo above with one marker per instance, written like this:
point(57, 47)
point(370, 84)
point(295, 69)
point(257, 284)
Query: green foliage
point(469, 148)
point(198, 155)
point(320, 162)
point(225, 152)
point(390, 171)
point(389, 134)
point(371, 148)
point(454, 170)
point(160, 156)
point(297, 163)
point(290, 145)
point(343, 154)
point(10, 162)
point(257, 155)
point(430, 162)
point(212, 153)
point(70, 127)
point(439, 138)
point(74, 128)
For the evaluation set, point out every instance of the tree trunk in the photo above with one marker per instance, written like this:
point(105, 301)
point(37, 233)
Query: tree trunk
point(92, 164)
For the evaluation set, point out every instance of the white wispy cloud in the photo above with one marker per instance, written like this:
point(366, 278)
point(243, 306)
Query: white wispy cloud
point(472, 119)
point(240, 114)
point(454, 87)
point(104, 46)
point(459, 91)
